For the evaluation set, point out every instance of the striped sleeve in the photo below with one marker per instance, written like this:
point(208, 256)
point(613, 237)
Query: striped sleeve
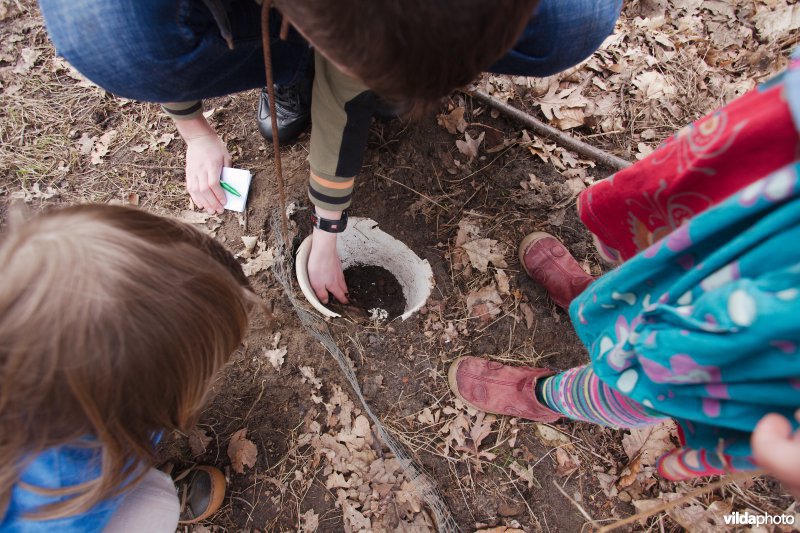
point(330, 192)
point(183, 110)
point(341, 114)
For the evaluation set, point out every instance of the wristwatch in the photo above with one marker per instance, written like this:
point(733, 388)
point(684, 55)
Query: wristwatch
point(331, 226)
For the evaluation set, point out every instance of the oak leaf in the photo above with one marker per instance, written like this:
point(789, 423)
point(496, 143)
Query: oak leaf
point(263, 260)
point(275, 357)
point(454, 121)
point(242, 452)
point(469, 146)
point(484, 303)
point(481, 252)
point(198, 441)
point(649, 443)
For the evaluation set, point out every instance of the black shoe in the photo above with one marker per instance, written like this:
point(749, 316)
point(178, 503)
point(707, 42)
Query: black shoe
point(293, 109)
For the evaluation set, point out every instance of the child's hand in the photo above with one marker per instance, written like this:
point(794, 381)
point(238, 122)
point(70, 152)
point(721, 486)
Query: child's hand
point(205, 157)
point(777, 450)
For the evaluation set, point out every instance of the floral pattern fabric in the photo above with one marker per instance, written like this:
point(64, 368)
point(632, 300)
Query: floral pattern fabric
point(704, 325)
point(696, 168)
point(702, 322)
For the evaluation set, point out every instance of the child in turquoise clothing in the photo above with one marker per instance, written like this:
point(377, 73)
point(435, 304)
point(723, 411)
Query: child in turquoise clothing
point(704, 326)
point(113, 322)
point(701, 320)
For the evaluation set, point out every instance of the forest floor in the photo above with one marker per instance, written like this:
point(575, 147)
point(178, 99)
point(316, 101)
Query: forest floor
point(284, 425)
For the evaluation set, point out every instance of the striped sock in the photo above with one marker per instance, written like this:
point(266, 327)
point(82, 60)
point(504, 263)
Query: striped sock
point(579, 394)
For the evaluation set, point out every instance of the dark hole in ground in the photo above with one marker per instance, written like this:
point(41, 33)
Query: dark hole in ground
point(371, 287)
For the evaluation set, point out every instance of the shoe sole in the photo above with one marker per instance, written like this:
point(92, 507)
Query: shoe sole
point(529, 239)
point(453, 383)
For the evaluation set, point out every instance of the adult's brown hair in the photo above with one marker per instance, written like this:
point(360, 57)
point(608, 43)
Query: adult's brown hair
point(411, 51)
point(113, 322)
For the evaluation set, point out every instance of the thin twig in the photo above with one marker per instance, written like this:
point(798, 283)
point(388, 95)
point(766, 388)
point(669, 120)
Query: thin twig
point(739, 476)
point(576, 504)
point(425, 196)
point(540, 128)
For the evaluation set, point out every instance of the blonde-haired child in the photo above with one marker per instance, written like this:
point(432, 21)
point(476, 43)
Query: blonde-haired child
point(113, 322)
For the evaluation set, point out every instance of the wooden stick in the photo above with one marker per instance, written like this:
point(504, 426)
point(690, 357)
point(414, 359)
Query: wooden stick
point(276, 147)
point(544, 130)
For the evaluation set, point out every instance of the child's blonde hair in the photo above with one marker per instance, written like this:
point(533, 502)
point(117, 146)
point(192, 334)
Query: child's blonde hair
point(112, 323)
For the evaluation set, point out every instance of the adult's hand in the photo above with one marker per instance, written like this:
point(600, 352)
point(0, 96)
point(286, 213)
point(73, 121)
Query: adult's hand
point(325, 268)
point(205, 157)
point(777, 450)
point(206, 154)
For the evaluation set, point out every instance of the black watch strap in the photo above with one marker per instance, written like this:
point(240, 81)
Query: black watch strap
point(331, 226)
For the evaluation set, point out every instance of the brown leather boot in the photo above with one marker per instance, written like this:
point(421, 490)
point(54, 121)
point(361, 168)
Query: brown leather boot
point(549, 263)
point(499, 389)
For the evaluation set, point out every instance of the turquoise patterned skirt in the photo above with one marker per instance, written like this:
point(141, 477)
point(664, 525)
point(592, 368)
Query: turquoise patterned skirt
point(704, 325)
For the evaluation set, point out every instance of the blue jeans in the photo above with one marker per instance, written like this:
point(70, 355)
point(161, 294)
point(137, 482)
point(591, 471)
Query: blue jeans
point(172, 51)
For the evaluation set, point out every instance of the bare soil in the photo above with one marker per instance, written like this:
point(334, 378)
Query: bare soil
point(371, 288)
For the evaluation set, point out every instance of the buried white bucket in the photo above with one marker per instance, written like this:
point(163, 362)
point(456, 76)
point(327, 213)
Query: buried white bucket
point(363, 243)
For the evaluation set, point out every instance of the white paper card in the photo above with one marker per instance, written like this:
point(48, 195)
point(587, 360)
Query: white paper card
point(239, 179)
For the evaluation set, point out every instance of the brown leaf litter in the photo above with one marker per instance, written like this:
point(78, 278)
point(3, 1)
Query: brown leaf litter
point(454, 121)
point(369, 483)
point(242, 452)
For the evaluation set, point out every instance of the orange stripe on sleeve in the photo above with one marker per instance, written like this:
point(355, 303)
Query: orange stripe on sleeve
point(339, 185)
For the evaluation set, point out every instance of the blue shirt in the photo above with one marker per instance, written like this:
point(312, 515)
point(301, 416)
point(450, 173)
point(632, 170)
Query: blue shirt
point(58, 467)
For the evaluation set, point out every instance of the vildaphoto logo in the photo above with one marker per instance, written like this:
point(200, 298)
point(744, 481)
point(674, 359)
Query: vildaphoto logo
point(749, 519)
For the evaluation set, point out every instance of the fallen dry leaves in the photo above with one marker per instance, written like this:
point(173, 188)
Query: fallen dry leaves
point(454, 121)
point(198, 441)
point(263, 259)
point(482, 252)
point(694, 516)
point(309, 522)
point(368, 483)
point(470, 146)
point(465, 431)
point(649, 443)
point(468, 230)
point(667, 63)
point(275, 356)
point(485, 303)
point(241, 451)
point(250, 243)
point(524, 473)
point(527, 312)
point(566, 462)
point(503, 283)
point(564, 108)
point(643, 447)
point(188, 216)
point(34, 193)
point(552, 437)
